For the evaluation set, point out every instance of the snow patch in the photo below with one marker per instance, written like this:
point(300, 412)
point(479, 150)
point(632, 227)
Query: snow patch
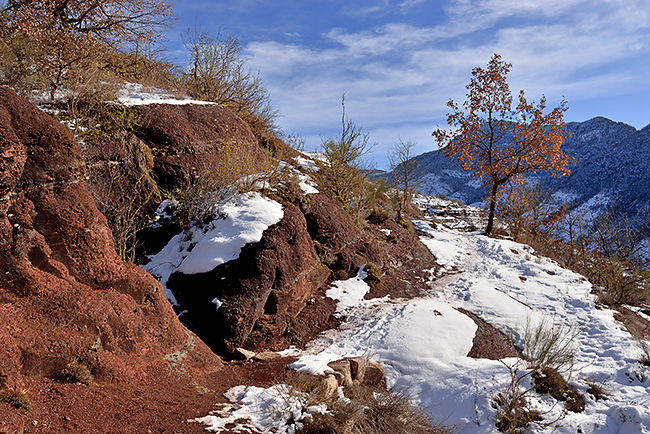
point(201, 249)
point(279, 409)
point(132, 94)
point(350, 292)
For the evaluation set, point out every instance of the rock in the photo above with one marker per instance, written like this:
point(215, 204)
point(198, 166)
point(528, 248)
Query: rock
point(374, 377)
point(331, 385)
point(342, 368)
point(241, 353)
point(65, 295)
point(328, 223)
point(264, 288)
point(265, 356)
point(188, 140)
point(358, 368)
point(359, 372)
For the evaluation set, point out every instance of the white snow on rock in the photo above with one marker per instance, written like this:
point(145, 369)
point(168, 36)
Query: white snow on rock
point(132, 94)
point(349, 292)
point(201, 249)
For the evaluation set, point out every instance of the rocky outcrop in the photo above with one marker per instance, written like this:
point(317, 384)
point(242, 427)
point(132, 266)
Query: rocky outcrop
point(272, 295)
point(189, 140)
point(66, 297)
point(266, 286)
point(394, 256)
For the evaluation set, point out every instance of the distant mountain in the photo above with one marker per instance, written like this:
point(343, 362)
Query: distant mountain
point(612, 167)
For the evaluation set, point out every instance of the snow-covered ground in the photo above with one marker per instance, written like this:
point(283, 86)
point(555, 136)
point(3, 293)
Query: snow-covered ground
point(423, 343)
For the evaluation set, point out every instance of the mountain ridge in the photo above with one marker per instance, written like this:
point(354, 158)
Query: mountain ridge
point(611, 169)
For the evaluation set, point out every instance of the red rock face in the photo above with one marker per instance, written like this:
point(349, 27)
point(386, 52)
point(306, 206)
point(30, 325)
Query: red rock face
point(186, 140)
point(65, 295)
point(267, 285)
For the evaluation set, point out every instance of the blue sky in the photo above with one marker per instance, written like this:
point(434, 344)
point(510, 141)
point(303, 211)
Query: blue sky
point(399, 62)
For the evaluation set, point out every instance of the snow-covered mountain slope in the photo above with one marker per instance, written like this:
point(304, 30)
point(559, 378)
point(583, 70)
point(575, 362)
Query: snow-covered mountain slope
point(423, 343)
point(611, 168)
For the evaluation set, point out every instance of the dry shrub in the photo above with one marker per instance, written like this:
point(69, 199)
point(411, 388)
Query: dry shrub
point(74, 373)
point(513, 413)
point(597, 391)
point(210, 186)
point(19, 399)
point(393, 413)
point(343, 173)
point(381, 212)
point(512, 406)
point(143, 65)
point(645, 352)
point(549, 345)
point(529, 211)
point(548, 350)
point(364, 411)
point(16, 67)
point(89, 114)
point(621, 282)
point(550, 381)
point(126, 196)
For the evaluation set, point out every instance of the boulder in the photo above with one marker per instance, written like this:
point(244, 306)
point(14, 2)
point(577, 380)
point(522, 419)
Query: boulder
point(264, 288)
point(359, 372)
point(189, 140)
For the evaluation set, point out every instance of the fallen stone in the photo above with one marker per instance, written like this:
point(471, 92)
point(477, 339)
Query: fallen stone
point(265, 356)
point(241, 353)
point(342, 367)
point(331, 385)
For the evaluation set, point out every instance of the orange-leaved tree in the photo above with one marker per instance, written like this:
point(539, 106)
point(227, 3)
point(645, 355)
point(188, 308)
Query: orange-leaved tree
point(499, 141)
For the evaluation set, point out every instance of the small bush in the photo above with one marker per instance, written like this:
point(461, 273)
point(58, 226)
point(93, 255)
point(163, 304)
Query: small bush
point(597, 391)
point(17, 398)
point(374, 273)
point(341, 274)
point(645, 352)
point(621, 282)
point(513, 413)
point(381, 212)
point(548, 345)
point(210, 186)
point(511, 404)
point(342, 174)
point(74, 373)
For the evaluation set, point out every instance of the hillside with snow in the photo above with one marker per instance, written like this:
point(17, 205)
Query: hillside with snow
point(424, 343)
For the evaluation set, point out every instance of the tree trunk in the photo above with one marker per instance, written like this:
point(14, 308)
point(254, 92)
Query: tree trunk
point(493, 204)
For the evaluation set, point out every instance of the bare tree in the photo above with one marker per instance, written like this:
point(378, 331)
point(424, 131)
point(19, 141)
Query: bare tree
point(401, 164)
point(218, 72)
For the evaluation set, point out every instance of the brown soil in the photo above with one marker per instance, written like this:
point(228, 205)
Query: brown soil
point(637, 326)
point(162, 402)
point(489, 342)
